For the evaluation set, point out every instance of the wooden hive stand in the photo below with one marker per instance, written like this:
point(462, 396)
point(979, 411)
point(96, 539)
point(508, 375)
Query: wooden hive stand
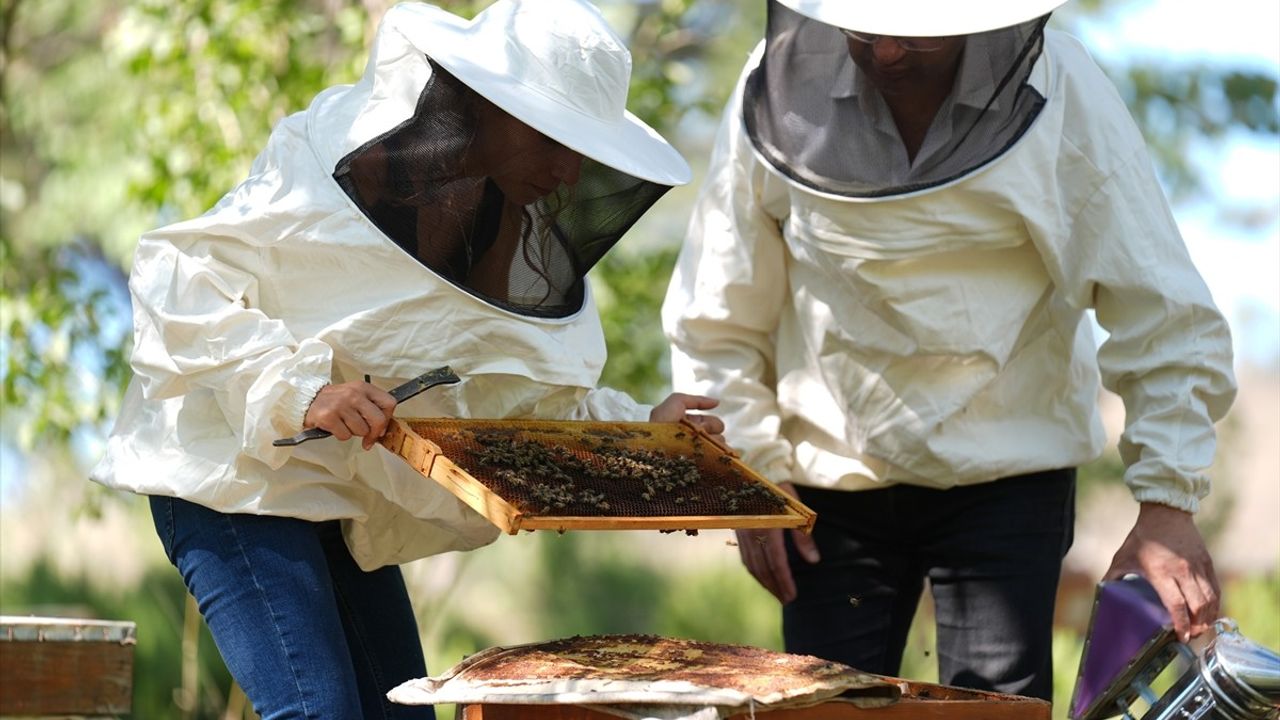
point(65, 666)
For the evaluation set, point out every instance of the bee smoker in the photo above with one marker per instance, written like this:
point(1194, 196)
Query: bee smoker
point(1131, 642)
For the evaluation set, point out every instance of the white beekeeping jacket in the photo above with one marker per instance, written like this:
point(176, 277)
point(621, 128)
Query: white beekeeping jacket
point(243, 314)
point(940, 337)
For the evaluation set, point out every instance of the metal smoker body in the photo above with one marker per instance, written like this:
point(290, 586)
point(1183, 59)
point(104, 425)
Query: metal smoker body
point(1131, 641)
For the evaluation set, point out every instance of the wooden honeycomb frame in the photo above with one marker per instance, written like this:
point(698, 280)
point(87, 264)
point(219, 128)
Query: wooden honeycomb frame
point(427, 457)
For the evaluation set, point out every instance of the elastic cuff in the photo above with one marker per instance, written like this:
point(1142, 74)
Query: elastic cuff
point(1165, 496)
point(305, 389)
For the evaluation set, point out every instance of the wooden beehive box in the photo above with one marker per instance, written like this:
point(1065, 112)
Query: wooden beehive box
point(65, 666)
point(565, 475)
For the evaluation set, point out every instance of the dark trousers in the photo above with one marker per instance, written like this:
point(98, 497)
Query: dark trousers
point(301, 627)
point(992, 554)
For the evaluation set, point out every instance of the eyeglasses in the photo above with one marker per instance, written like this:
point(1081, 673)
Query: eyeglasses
point(910, 44)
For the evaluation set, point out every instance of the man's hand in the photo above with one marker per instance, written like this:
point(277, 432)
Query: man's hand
point(352, 409)
point(677, 406)
point(1165, 547)
point(765, 554)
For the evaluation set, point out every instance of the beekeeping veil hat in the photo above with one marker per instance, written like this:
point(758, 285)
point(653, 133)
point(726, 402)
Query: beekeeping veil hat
point(414, 146)
point(814, 115)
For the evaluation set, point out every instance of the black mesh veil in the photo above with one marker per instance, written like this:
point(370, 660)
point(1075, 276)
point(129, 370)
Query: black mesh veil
point(811, 114)
point(414, 184)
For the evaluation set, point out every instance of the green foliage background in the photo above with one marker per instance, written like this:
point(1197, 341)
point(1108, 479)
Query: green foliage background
point(120, 115)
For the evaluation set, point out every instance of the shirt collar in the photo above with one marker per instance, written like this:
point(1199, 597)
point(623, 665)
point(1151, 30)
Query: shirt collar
point(848, 82)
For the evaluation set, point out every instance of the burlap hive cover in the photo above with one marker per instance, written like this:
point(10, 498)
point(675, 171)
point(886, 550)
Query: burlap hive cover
point(609, 669)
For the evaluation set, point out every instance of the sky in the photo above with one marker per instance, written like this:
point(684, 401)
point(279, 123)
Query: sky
point(1240, 265)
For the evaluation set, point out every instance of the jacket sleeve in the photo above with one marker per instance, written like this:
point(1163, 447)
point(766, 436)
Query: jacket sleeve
point(1168, 354)
point(725, 298)
point(197, 326)
point(611, 405)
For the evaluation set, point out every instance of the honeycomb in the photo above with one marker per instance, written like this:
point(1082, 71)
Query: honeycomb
point(559, 469)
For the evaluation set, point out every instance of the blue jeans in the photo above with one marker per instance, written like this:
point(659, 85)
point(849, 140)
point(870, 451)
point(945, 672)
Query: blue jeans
point(992, 554)
point(304, 631)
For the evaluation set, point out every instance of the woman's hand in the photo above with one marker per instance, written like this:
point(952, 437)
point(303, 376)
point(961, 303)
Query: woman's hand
point(351, 409)
point(677, 406)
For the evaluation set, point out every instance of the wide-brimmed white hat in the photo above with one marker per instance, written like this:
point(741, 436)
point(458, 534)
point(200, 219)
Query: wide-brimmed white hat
point(922, 18)
point(555, 65)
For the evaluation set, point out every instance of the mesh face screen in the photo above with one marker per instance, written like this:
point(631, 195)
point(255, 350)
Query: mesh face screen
point(606, 470)
point(421, 186)
point(814, 115)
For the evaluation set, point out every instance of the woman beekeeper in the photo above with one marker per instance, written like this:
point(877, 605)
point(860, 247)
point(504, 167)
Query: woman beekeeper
point(443, 210)
point(911, 207)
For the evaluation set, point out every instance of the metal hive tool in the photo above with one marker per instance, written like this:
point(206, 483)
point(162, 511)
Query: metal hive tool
point(573, 475)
